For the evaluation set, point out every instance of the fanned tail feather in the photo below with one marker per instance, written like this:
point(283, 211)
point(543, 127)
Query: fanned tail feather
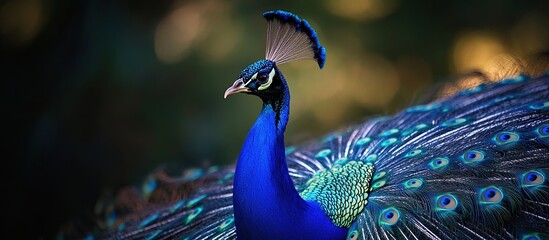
point(195, 205)
point(471, 166)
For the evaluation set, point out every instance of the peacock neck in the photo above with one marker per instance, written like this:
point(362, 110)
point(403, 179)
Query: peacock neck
point(263, 190)
point(265, 201)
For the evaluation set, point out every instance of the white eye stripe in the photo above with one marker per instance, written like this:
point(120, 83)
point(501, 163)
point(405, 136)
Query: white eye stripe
point(268, 83)
point(251, 79)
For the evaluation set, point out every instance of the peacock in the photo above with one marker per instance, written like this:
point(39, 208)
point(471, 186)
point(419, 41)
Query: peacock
point(473, 165)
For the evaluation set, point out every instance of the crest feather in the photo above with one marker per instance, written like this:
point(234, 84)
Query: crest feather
point(290, 38)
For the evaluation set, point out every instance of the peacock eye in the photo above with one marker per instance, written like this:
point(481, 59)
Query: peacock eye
point(505, 138)
point(446, 202)
point(353, 235)
point(532, 178)
point(543, 131)
point(389, 216)
point(262, 79)
point(473, 156)
point(491, 195)
point(413, 183)
point(265, 80)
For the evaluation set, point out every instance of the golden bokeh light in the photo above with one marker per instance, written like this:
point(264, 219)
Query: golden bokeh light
point(496, 56)
point(188, 25)
point(530, 35)
point(373, 81)
point(367, 81)
point(21, 20)
point(473, 49)
point(222, 41)
point(361, 9)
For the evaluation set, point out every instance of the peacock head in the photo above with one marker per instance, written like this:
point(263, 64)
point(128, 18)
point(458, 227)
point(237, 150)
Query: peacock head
point(289, 38)
point(261, 78)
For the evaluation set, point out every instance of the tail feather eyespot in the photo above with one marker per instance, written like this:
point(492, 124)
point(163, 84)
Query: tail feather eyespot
point(389, 216)
point(491, 195)
point(446, 202)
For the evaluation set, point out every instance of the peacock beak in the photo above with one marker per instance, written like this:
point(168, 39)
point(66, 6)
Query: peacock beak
point(238, 86)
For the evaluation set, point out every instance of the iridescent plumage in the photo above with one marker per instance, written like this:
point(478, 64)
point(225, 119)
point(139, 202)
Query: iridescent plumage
point(460, 167)
point(468, 166)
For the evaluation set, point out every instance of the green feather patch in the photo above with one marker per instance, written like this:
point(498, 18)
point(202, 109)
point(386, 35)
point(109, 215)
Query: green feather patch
point(341, 191)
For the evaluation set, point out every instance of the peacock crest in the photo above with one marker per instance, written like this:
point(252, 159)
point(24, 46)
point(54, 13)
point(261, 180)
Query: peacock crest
point(290, 38)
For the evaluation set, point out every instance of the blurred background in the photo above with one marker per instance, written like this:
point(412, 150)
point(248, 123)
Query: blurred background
point(98, 93)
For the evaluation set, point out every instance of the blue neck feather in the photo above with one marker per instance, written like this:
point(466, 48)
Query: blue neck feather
point(266, 203)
